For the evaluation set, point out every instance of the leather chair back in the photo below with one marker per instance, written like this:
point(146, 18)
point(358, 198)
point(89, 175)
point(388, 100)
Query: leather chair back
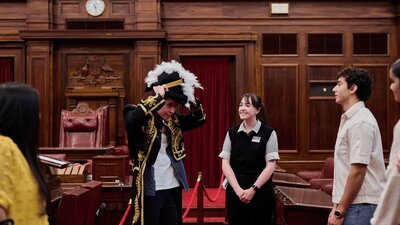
point(84, 127)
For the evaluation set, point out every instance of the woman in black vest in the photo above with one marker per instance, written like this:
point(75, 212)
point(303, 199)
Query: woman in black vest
point(249, 156)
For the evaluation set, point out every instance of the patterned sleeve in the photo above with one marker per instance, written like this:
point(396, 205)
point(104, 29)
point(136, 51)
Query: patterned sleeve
point(6, 174)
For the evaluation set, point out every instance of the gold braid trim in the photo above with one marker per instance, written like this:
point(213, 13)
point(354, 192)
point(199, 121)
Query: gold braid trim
point(173, 83)
point(176, 138)
point(150, 103)
point(136, 209)
point(151, 132)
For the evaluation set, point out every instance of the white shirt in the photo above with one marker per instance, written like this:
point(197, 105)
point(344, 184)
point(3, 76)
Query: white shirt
point(388, 210)
point(359, 142)
point(164, 173)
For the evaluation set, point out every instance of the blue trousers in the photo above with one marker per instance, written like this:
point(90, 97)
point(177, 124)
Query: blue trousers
point(359, 214)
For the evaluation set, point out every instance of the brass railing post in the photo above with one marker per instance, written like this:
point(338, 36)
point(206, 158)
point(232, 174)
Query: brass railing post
point(200, 200)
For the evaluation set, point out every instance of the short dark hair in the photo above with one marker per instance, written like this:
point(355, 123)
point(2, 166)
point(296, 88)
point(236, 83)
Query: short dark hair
point(396, 68)
point(19, 120)
point(256, 103)
point(359, 77)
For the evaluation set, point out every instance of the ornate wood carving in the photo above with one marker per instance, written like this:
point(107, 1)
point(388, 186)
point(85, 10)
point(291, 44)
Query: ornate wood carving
point(95, 71)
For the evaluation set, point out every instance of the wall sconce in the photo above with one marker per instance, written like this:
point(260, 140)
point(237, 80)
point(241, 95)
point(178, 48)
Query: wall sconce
point(279, 8)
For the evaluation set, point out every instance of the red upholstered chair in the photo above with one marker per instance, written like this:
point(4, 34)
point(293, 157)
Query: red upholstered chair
point(122, 149)
point(325, 173)
point(319, 184)
point(84, 127)
point(328, 188)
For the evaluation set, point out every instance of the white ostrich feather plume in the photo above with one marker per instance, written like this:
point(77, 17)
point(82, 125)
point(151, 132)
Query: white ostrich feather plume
point(189, 79)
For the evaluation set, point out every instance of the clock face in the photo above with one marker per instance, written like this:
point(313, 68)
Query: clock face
point(95, 7)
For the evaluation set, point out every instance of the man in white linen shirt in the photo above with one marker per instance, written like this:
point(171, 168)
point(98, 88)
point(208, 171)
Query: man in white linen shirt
point(359, 171)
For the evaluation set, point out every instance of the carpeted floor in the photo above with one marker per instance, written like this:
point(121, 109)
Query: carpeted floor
point(212, 192)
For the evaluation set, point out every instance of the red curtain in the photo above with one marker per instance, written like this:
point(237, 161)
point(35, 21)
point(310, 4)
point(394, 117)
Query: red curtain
point(6, 69)
point(204, 144)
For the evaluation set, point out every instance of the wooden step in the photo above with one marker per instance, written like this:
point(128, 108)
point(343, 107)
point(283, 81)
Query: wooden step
point(209, 211)
point(207, 220)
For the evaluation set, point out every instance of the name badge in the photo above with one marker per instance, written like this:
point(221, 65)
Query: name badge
point(256, 139)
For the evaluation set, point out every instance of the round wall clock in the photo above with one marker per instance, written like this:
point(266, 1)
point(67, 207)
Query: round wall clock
point(95, 7)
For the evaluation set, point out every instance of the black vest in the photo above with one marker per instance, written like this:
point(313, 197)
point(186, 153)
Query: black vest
point(248, 150)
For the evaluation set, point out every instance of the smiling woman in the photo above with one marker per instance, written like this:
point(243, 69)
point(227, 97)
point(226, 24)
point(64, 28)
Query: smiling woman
point(249, 156)
point(95, 7)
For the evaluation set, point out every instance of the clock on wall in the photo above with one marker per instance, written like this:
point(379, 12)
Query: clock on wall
point(95, 7)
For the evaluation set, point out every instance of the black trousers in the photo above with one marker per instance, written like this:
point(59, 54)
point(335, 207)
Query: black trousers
point(165, 208)
point(258, 212)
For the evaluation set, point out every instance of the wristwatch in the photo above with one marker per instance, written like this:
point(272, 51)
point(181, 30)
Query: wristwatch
point(338, 214)
point(255, 187)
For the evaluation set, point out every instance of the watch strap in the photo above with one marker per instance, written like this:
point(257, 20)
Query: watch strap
point(255, 187)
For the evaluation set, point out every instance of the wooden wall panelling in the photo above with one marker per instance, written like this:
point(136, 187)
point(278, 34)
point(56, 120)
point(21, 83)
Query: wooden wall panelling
point(39, 14)
point(39, 65)
point(16, 51)
point(75, 9)
point(280, 97)
point(148, 15)
point(147, 55)
point(378, 102)
point(324, 113)
point(241, 78)
point(12, 19)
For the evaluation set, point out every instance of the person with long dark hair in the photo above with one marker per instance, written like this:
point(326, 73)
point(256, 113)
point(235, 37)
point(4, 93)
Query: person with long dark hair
point(388, 210)
point(249, 156)
point(23, 190)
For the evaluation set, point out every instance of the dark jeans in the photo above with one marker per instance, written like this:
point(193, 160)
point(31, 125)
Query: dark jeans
point(165, 208)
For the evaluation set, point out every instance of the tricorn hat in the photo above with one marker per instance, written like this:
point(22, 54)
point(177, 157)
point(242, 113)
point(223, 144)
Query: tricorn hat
point(180, 82)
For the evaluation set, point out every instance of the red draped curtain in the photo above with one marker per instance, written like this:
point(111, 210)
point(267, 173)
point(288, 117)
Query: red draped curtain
point(204, 144)
point(6, 69)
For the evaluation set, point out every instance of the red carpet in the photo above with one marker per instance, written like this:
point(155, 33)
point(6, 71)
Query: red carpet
point(212, 192)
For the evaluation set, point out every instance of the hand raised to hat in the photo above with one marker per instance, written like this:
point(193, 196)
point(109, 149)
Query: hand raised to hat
point(160, 89)
point(194, 106)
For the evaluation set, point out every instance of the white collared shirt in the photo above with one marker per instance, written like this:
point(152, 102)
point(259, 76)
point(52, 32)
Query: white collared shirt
point(359, 142)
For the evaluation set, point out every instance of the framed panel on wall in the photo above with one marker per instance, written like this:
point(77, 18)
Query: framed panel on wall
point(324, 113)
point(281, 82)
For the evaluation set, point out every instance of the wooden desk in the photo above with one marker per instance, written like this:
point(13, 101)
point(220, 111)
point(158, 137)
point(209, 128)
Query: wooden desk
point(77, 154)
point(116, 198)
point(289, 179)
point(299, 206)
point(279, 169)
